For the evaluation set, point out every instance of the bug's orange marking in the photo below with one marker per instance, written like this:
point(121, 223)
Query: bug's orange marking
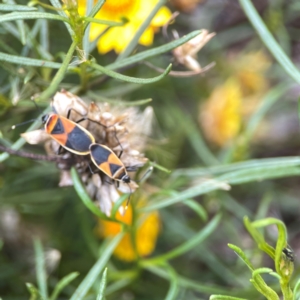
point(114, 159)
point(104, 167)
point(68, 125)
point(60, 138)
point(51, 122)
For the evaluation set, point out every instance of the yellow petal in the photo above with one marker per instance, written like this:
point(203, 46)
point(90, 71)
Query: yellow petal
point(162, 17)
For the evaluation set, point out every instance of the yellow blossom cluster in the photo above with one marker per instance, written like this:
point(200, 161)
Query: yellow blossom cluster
point(229, 104)
point(135, 11)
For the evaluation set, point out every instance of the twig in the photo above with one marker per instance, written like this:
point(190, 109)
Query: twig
point(34, 156)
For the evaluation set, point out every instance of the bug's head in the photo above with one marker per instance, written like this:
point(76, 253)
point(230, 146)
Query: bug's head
point(45, 118)
point(126, 178)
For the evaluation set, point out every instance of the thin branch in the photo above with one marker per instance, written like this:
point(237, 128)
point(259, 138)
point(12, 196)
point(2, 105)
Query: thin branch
point(34, 156)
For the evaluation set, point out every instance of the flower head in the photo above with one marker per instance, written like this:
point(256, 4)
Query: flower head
point(231, 103)
point(141, 242)
point(118, 128)
point(135, 11)
point(221, 115)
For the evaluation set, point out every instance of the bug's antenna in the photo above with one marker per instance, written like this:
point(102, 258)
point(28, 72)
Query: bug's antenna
point(23, 123)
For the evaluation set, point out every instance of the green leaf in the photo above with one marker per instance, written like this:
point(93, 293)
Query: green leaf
point(83, 195)
point(242, 255)
point(249, 164)
point(102, 285)
point(118, 285)
point(61, 12)
point(130, 47)
point(34, 293)
point(15, 7)
point(259, 239)
point(96, 8)
point(266, 169)
point(173, 289)
point(296, 290)
point(26, 61)
point(31, 15)
point(120, 102)
point(197, 208)
point(187, 283)
point(269, 40)
point(59, 76)
point(62, 284)
point(153, 52)
point(40, 268)
point(188, 245)
point(281, 239)
point(221, 297)
point(261, 286)
point(268, 100)
point(94, 272)
point(103, 22)
point(118, 203)
point(119, 76)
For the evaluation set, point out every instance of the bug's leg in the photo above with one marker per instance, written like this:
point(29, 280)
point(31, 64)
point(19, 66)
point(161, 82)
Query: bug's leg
point(59, 151)
point(91, 170)
point(122, 150)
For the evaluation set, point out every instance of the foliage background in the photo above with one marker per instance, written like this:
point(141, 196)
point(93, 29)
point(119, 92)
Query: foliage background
point(30, 195)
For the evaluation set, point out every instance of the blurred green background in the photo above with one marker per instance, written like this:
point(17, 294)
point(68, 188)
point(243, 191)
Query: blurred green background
point(244, 108)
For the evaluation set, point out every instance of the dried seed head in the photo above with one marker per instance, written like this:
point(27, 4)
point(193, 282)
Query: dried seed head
point(119, 128)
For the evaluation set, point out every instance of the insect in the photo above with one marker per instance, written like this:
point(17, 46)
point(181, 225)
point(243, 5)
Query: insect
point(70, 135)
point(109, 163)
point(289, 253)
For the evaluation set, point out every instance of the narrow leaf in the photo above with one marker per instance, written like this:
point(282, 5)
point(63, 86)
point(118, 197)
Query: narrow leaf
point(62, 284)
point(256, 173)
point(153, 52)
point(269, 40)
point(102, 22)
point(242, 255)
point(83, 195)
point(221, 297)
point(96, 8)
point(102, 285)
point(15, 7)
point(31, 15)
point(190, 244)
point(61, 12)
point(94, 272)
point(119, 76)
point(40, 268)
point(173, 289)
point(26, 61)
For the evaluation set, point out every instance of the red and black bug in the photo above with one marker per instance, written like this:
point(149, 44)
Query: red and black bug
point(70, 135)
point(109, 163)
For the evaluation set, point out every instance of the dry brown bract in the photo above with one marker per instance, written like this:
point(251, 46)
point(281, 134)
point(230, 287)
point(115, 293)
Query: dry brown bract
point(186, 54)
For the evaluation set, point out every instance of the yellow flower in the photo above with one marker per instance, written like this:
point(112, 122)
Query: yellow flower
point(136, 11)
point(249, 69)
point(220, 116)
point(147, 228)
